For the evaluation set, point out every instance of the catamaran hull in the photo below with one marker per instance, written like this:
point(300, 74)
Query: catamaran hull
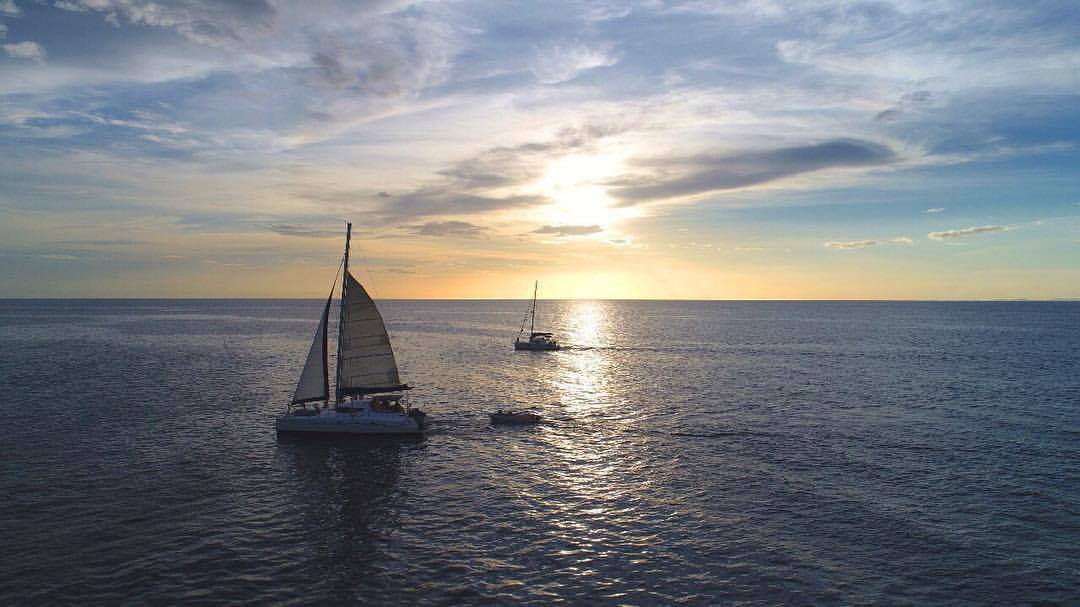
point(289, 427)
point(524, 345)
point(320, 425)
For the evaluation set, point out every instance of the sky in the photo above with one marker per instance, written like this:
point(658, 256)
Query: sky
point(749, 149)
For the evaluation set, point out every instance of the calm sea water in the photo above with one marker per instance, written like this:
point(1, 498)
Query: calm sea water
point(731, 453)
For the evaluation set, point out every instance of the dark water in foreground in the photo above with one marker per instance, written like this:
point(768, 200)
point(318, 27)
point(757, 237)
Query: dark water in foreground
point(697, 453)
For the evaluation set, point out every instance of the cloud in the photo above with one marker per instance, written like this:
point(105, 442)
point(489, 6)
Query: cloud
point(484, 182)
point(887, 115)
point(851, 244)
point(862, 244)
point(432, 201)
point(25, 50)
point(563, 62)
point(303, 231)
point(212, 22)
point(711, 173)
point(934, 210)
point(8, 8)
point(102, 243)
point(561, 231)
point(384, 57)
point(907, 101)
point(453, 229)
point(972, 231)
point(512, 165)
point(332, 71)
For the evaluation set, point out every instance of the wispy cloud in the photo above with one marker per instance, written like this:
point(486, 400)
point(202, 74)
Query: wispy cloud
point(851, 244)
point(962, 233)
point(102, 243)
point(862, 244)
point(565, 61)
point(433, 201)
point(906, 102)
point(509, 165)
point(453, 229)
point(25, 50)
point(568, 230)
point(203, 21)
point(934, 210)
point(303, 231)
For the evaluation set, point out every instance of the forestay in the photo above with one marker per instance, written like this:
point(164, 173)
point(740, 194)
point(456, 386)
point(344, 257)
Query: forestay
point(366, 362)
point(314, 382)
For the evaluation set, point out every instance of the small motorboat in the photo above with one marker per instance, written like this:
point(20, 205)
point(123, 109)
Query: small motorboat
point(514, 418)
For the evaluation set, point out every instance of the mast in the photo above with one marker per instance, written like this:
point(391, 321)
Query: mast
point(341, 314)
point(532, 323)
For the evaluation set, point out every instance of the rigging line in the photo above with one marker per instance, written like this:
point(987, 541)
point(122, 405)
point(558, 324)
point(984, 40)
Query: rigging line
point(523, 321)
point(337, 273)
point(359, 267)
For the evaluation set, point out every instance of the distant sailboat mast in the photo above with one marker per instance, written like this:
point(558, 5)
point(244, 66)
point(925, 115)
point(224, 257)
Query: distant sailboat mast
point(341, 313)
point(532, 323)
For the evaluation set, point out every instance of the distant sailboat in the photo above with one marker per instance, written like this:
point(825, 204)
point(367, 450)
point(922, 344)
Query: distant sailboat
point(367, 398)
point(537, 340)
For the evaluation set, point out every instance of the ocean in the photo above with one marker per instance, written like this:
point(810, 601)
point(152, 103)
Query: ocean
point(693, 453)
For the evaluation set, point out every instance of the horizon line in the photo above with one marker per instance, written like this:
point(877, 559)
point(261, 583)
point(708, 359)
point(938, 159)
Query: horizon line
point(838, 300)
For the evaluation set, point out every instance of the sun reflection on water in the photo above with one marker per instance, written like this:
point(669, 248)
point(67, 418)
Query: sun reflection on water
point(595, 472)
point(582, 376)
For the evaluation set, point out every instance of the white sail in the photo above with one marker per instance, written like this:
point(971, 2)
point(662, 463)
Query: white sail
point(366, 362)
point(314, 384)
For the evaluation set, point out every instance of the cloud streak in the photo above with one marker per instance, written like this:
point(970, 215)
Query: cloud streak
point(850, 244)
point(965, 232)
point(447, 229)
point(303, 231)
point(704, 174)
point(561, 231)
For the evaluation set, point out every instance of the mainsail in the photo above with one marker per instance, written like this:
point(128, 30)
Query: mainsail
point(314, 382)
point(366, 362)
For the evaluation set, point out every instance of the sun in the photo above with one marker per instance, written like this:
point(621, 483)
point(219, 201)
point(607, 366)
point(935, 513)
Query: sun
point(576, 185)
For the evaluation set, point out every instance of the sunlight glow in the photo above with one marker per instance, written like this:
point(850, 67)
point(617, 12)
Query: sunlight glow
point(576, 184)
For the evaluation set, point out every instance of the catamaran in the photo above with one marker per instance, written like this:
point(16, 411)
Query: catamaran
point(538, 340)
point(368, 392)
